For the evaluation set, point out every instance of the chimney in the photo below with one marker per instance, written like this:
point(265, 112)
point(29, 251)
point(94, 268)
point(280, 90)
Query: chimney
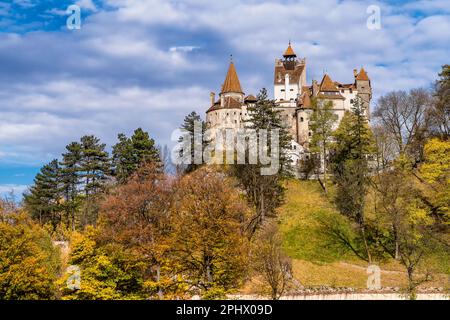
point(355, 72)
point(212, 96)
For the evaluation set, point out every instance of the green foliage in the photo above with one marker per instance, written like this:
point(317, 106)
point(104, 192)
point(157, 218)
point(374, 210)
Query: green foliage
point(322, 121)
point(440, 113)
point(353, 148)
point(188, 126)
point(44, 198)
point(29, 264)
point(131, 153)
point(265, 192)
point(95, 165)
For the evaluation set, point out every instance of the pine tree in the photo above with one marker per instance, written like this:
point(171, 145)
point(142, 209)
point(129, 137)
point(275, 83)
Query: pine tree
point(188, 126)
point(44, 198)
point(265, 192)
point(70, 180)
point(322, 123)
point(352, 150)
point(95, 164)
point(129, 154)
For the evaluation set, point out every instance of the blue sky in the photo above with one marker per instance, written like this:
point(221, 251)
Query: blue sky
point(148, 63)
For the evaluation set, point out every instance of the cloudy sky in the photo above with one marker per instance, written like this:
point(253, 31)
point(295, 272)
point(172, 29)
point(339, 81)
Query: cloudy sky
point(147, 63)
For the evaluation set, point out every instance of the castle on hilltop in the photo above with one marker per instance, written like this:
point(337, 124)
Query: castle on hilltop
point(293, 97)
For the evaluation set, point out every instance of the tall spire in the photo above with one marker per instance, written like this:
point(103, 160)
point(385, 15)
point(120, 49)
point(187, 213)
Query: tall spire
point(362, 75)
point(231, 83)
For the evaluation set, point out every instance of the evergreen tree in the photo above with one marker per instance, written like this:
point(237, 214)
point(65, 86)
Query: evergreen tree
point(131, 153)
point(440, 112)
point(352, 151)
point(322, 122)
point(44, 198)
point(70, 180)
point(95, 165)
point(265, 192)
point(188, 125)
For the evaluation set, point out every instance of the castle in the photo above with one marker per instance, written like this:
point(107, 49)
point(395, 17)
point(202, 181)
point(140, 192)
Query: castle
point(293, 97)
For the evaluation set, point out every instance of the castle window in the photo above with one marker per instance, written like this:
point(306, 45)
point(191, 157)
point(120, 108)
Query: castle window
point(351, 90)
point(282, 90)
point(351, 101)
point(292, 89)
point(309, 134)
point(235, 121)
point(301, 119)
point(234, 113)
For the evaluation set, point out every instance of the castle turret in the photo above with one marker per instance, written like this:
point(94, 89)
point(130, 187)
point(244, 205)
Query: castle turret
point(231, 87)
point(289, 58)
point(362, 83)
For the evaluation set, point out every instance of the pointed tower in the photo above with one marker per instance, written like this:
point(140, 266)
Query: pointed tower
point(289, 78)
point(364, 88)
point(231, 87)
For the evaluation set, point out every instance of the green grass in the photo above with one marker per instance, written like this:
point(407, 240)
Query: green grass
point(315, 260)
point(306, 205)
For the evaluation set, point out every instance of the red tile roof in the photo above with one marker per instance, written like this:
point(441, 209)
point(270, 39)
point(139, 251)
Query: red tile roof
point(362, 75)
point(231, 83)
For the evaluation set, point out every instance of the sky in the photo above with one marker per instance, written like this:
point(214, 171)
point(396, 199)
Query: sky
point(148, 63)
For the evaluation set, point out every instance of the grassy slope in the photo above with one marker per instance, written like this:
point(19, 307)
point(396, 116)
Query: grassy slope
point(315, 261)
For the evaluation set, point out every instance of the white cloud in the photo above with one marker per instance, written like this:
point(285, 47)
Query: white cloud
point(126, 68)
point(16, 189)
point(86, 4)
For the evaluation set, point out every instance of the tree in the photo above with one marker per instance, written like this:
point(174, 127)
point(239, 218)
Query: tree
point(404, 222)
point(136, 216)
point(95, 164)
point(269, 260)
point(44, 198)
point(352, 150)
point(70, 181)
point(188, 125)
point(131, 153)
point(405, 117)
point(440, 112)
point(209, 219)
point(29, 264)
point(434, 175)
point(264, 192)
point(322, 123)
point(107, 272)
